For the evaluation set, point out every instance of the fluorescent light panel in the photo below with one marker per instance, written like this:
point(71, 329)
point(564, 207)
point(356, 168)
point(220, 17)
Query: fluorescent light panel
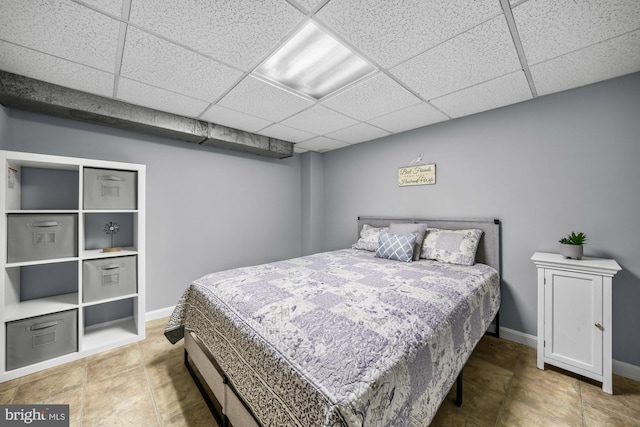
point(314, 63)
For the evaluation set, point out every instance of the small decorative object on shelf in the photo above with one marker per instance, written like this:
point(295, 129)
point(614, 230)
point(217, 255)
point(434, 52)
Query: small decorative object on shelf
point(111, 228)
point(571, 246)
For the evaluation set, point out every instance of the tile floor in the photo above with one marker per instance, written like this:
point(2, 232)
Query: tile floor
point(146, 384)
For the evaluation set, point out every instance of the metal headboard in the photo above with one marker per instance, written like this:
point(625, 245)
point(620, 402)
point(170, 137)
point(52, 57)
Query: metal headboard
point(489, 249)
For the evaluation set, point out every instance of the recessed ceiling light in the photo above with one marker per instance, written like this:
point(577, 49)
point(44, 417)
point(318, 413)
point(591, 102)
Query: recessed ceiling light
point(314, 63)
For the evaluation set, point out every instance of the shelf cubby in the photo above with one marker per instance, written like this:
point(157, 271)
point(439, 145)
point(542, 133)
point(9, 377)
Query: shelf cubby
point(37, 281)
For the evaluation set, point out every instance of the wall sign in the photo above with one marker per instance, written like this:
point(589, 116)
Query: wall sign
point(417, 175)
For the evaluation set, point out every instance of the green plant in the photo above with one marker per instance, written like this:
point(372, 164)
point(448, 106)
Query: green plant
point(574, 239)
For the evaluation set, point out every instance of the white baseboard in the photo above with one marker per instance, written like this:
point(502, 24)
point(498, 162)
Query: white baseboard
point(519, 337)
point(158, 314)
point(626, 370)
point(619, 368)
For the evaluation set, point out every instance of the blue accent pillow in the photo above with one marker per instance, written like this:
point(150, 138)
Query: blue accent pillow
point(396, 247)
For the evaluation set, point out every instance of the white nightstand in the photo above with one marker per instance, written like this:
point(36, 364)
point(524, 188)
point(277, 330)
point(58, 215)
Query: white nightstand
point(574, 314)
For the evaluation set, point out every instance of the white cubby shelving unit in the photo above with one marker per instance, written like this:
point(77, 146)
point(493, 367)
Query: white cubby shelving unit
point(46, 186)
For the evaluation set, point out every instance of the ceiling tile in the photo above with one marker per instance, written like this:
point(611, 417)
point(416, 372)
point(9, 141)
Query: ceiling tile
point(159, 99)
point(234, 119)
point(258, 98)
point(505, 90)
point(549, 28)
point(321, 144)
point(373, 97)
point(358, 133)
point(113, 7)
point(64, 29)
point(409, 118)
point(36, 65)
point(319, 120)
point(158, 62)
point(598, 62)
point(240, 33)
point(482, 53)
point(286, 133)
point(390, 34)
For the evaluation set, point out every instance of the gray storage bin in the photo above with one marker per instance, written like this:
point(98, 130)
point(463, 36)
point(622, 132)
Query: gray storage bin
point(108, 278)
point(41, 338)
point(109, 189)
point(41, 236)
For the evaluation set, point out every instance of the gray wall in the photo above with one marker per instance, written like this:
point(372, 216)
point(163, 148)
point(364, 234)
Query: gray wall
point(3, 124)
point(558, 163)
point(312, 196)
point(207, 209)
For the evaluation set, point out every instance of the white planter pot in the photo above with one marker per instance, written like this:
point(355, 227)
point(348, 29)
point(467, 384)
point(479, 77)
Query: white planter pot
point(571, 251)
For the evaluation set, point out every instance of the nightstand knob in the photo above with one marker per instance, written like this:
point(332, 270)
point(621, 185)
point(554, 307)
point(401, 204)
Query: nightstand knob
point(598, 325)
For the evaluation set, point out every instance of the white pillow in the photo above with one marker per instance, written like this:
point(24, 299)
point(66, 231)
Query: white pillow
point(368, 240)
point(451, 246)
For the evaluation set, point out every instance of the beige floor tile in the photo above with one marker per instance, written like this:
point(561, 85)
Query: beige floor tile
point(121, 397)
point(166, 366)
point(479, 403)
point(6, 396)
point(526, 374)
point(55, 370)
point(11, 384)
point(113, 362)
point(556, 403)
point(73, 398)
point(489, 375)
point(39, 387)
point(180, 392)
point(191, 416)
point(498, 352)
point(8, 390)
point(450, 415)
point(625, 399)
point(516, 413)
point(601, 417)
point(156, 344)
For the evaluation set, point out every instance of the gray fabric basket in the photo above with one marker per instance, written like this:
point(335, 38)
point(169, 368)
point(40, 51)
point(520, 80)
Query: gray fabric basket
point(41, 236)
point(109, 189)
point(108, 278)
point(41, 338)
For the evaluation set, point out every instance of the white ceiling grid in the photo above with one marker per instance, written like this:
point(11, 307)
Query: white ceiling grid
point(437, 60)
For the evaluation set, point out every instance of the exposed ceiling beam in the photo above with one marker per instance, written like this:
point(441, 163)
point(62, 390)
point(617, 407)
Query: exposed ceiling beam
point(41, 97)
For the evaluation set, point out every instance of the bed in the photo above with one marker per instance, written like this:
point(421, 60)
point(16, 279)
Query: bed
point(342, 338)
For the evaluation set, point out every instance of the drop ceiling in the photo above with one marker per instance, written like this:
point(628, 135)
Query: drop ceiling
point(435, 60)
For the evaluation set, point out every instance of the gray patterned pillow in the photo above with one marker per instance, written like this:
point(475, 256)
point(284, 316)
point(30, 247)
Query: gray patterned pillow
point(396, 247)
point(408, 228)
point(451, 246)
point(369, 238)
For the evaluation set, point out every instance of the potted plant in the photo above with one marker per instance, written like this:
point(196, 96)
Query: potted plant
point(571, 246)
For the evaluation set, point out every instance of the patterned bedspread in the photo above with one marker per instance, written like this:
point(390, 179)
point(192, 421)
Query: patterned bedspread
point(341, 338)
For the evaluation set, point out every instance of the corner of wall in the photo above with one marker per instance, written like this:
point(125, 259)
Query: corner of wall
point(3, 127)
point(312, 198)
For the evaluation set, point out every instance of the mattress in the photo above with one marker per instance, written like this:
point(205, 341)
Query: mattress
point(341, 338)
